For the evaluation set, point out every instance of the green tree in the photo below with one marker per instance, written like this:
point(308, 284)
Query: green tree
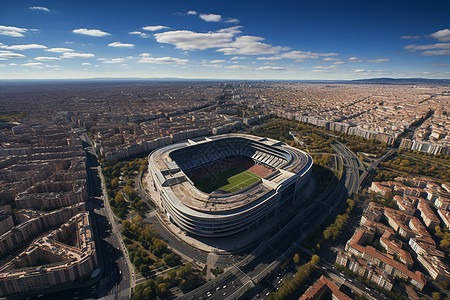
point(436, 295)
point(115, 183)
point(162, 290)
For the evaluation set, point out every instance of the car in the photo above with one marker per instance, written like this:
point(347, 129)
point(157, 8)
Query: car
point(225, 293)
point(218, 288)
point(224, 287)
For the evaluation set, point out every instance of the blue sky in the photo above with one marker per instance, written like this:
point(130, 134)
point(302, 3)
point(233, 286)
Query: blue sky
point(224, 40)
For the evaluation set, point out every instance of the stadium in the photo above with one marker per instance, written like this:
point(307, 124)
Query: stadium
point(218, 186)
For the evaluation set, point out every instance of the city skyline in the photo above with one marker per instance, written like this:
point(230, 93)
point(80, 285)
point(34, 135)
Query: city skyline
point(322, 40)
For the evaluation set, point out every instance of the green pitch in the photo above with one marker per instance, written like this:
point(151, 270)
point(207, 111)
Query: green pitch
point(230, 180)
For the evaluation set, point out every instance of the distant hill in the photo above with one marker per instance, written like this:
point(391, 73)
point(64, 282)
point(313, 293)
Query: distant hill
point(112, 80)
point(401, 81)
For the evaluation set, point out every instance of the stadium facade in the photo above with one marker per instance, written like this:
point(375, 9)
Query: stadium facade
point(221, 213)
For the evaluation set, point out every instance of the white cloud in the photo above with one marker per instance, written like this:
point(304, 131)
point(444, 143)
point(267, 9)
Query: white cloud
point(227, 41)
point(302, 55)
point(77, 55)
point(10, 54)
point(299, 56)
point(436, 52)
point(91, 32)
point(141, 34)
point(360, 70)
point(339, 63)
point(237, 57)
point(155, 28)
point(442, 35)
point(250, 45)
point(269, 58)
point(189, 40)
point(145, 58)
point(355, 59)
point(325, 68)
point(237, 67)
point(86, 64)
point(120, 45)
point(410, 37)
point(192, 12)
point(211, 17)
point(32, 65)
point(39, 8)
point(231, 20)
point(431, 49)
point(114, 61)
point(23, 47)
point(378, 60)
point(428, 47)
point(217, 66)
point(59, 50)
point(13, 31)
point(330, 59)
point(46, 58)
point(271, 68)
point(218, 61)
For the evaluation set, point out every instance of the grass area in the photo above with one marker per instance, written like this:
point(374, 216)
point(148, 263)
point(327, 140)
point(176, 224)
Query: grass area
point(239, 181)
point(4, 118)
point(230, 180)
point(407, 163)
point(313, 137)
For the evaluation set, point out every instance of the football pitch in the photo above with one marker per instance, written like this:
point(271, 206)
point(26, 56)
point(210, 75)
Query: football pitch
point(230, 180)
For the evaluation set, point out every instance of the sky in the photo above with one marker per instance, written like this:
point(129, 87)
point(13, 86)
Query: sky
point(292, 40)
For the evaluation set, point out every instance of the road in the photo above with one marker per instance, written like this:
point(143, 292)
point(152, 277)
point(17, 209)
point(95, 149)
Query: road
point(117, 275)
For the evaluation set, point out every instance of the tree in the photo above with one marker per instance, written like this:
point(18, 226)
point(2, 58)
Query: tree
point(128, 190)
point(162, 290)
point(436, 295)
point(119, 198)
point(115, 183)
point(315, 259)
point(296, 258)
